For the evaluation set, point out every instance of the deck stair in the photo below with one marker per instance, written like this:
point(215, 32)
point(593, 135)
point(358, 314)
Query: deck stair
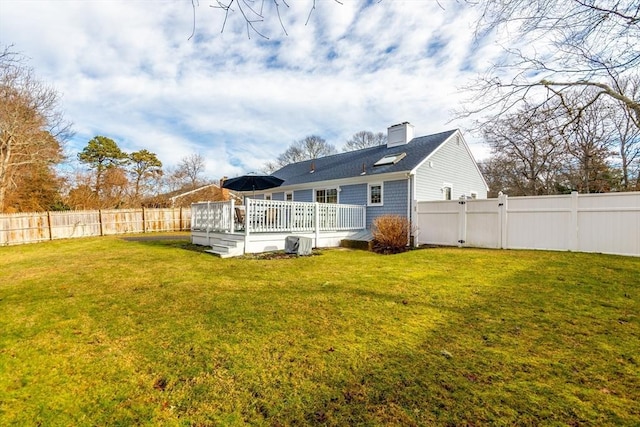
point(360, 240)
point(227, 246)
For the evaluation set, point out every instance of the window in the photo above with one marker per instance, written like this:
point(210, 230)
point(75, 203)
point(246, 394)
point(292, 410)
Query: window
point(288, 196)
point(375, 194)
point(446, 191)
point(267, 196)
point(474, 194)
point(391, 159)
point(329, 195)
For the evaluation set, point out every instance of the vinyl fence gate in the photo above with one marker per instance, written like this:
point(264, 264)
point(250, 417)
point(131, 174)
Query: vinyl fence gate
point(607, 223)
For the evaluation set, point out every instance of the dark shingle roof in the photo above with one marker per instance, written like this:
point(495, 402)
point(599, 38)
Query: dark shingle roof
point(350, 164)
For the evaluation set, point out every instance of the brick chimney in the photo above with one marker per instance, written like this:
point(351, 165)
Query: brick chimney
point(224, 193)
point(399, 134)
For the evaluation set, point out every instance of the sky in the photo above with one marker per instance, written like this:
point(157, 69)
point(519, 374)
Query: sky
point(165, 76)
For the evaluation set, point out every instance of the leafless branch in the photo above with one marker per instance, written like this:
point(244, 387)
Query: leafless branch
point(193, 29)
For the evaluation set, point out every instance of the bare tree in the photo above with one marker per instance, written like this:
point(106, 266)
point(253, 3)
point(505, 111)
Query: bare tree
point(310, 147)
point(190, 169)
point(115, 184)
point(627, 135)
point(589, 144)
point(365, 139)
point(32, 128)
point(595, 47)
point(532, 154)
point(527, 153)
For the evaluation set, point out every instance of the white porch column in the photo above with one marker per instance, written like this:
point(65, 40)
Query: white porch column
point(247, 213)
point(316, 219)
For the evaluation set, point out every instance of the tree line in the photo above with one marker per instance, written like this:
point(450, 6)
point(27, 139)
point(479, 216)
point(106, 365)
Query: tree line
point(559, 148)
point(115, 179)
point(568, 119)
point(33, 133)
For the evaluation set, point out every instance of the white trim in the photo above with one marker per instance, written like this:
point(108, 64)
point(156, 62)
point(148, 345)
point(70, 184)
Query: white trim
point(316, 189)
point(375, 184)
point(446, 185)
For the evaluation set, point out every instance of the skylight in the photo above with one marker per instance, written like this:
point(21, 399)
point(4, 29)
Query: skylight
point(391, 159)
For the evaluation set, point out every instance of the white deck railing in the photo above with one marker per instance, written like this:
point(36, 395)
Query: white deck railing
point(212, 216)
point(272, 216)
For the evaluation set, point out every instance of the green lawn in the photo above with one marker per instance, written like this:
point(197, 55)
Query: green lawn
point(105, 331)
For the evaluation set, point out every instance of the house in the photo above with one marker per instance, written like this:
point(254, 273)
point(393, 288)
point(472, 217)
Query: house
point(388, 179)
point(349, 190)
point(186, 196)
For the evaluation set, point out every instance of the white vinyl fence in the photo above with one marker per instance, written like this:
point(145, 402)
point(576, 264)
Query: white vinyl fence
point(21, 228)
point(607, 223)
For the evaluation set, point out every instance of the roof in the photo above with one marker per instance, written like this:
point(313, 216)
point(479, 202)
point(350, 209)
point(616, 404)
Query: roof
point(352, 163)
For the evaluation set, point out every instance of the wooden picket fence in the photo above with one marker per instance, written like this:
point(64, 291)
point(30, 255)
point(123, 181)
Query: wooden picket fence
point(36, 227)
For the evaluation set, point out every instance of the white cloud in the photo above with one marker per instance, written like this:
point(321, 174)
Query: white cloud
point(126, 70)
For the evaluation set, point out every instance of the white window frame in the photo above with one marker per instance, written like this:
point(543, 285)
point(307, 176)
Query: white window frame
point(268, 196)
point(390, 159)
point(375, 184)
point(286, 196)
point(446, 185)
point(315, 194)
point(473, 194)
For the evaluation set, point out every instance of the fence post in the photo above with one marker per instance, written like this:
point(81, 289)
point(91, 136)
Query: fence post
point(502, 220)
point(573, 226)
point(180, 228)
point(462, 221)
point(49, 225)
point(232, 217)
point(100, 221)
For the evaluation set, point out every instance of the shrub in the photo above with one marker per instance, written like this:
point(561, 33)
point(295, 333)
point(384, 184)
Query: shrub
point(390, 234)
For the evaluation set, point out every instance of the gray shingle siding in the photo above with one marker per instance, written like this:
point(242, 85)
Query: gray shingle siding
point(394, 201)
point(451, 157)
point(303, 196)
point(353, 194)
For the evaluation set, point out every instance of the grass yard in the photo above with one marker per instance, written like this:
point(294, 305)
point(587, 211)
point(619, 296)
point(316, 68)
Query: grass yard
point(107, 331)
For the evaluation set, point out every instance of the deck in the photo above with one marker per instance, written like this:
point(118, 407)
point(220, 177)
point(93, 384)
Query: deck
point(263, 225)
